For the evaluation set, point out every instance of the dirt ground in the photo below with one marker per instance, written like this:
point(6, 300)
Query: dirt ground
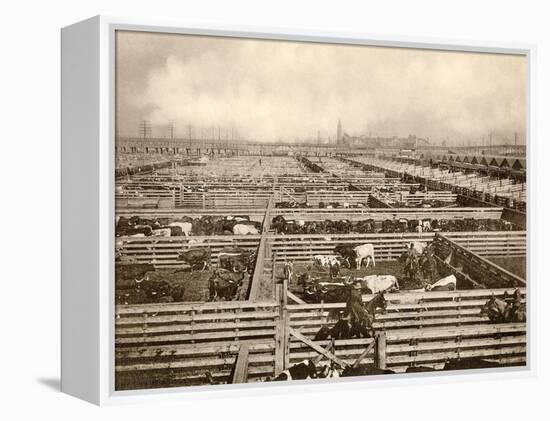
point(383, 267)
point(194, 283)
point(516, 265)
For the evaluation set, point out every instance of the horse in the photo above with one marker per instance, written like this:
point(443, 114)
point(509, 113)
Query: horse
point(341, 330)
point(517, 308)
point(497, 310)
point(362, 322)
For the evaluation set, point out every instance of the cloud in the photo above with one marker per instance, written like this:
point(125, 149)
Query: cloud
point(285, 90)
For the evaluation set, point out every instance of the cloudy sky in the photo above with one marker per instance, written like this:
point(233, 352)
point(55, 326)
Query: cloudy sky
point(270, 90)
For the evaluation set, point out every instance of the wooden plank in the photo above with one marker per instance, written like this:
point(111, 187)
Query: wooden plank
point(420, 299)
point(364, 354)
point(193, 350)
point(240, 374)
point(480, 260)
point(189, 337)
point(294, 298)
point(316, 347)
point(201, 327)
point(200, 307)
point(328, 348)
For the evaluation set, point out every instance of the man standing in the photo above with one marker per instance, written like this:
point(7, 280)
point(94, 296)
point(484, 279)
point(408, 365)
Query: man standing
point(288, 270)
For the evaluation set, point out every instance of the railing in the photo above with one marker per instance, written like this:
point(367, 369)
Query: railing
point(302, 247)
point(168, 345)
point(486, 272)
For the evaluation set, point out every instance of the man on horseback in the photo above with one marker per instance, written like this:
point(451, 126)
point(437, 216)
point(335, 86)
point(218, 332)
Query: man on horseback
point(359, 318)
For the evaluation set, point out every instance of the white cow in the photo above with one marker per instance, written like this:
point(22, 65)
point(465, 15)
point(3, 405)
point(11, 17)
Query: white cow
point(418, 247)
point(445, 284)
point(235, 218)
point(241, 229)
point(161, 232)
point(326, 260)
point(366, 251)
point(379, 283)
point(426, 225)
point(186, 227)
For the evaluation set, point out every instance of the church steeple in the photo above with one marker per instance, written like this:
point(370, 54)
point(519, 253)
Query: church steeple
point(339, 133)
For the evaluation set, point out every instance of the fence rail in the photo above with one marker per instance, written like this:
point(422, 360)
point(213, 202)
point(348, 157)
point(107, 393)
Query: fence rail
point(391, 246)
point(165, 345)
point(474, 264)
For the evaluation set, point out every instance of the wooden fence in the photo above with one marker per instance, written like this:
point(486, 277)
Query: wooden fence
point(417, 198)
point(418, 329)
point(502, 192)
point(162, 345)
point(390, 246)
point(168, 345)
point(356, 214)
point(263, 253)
point(310, 214)
point(486, 272)
point(162, 252)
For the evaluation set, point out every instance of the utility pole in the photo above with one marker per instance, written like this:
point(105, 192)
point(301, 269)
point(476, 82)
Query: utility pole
point(171, 128)
point(145, 129)
point(189, 128)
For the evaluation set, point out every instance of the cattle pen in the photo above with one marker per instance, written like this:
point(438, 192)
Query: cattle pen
point(268, 327)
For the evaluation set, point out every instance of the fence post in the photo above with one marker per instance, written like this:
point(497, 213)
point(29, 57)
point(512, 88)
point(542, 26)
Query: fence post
point(279, 333)
point(380, 339)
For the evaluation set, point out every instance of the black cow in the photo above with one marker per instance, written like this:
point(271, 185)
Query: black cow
point(301, 371)
point(233, 262)
point(196, 258)
point(419, 369)
point(467, 363)
point(144, 290)
point(350, 371)
point(131, 271)
point(341, 330)
point(223, 285)
point(237, 259)
point(127, 230)
point(347, 252)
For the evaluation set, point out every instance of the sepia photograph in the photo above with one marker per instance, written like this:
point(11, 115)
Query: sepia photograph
point(289, 210)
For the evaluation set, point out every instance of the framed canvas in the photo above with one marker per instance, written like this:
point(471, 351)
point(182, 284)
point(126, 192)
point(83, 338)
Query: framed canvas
point(245, 210)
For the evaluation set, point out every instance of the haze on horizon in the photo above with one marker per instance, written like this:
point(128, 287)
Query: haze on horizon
point(279, 90)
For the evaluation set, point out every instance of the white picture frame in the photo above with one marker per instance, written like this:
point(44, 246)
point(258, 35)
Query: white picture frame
point(88, 208)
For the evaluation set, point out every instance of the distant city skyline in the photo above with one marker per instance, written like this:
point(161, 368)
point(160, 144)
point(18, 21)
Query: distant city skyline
point(270, 91)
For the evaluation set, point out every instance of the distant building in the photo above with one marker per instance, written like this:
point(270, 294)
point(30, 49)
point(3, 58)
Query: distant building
point(339, 134)
point(410, 142)
point(363, 141)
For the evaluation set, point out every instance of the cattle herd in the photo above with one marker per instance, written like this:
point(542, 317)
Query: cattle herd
point(201, 255)
point(136, 226)
point(330, 276)
point(371, 226)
